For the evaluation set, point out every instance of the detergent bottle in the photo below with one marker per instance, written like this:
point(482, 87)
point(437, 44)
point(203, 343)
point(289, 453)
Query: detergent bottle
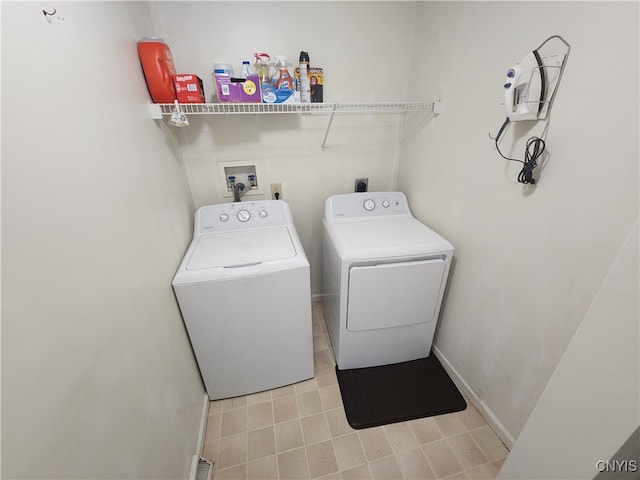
point(267, 90)
point(158, 68)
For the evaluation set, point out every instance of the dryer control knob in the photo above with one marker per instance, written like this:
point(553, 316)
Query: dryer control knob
point(369, 205)
point(244, 215)
point(385, 203)
point(224, 217)
point(262, 213)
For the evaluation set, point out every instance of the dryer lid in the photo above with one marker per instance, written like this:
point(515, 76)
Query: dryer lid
point(393, 236)
point(238, 248)
point(387, 232)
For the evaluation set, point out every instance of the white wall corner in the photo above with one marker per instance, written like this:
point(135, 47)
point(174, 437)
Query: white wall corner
point(482, 407)
point(604, 350)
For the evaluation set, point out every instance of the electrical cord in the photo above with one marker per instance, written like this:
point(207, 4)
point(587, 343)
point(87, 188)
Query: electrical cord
point(533, 150)
point(531, 159)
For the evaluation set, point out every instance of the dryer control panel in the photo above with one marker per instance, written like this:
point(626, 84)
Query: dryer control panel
point(241, 215)
point(366, 205)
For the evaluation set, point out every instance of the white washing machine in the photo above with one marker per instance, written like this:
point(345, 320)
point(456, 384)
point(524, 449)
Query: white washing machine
point(384, 275)
point(244, 292)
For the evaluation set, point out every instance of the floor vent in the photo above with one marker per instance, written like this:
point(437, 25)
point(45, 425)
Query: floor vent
point(201, 468)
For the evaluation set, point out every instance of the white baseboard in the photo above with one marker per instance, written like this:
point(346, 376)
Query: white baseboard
point(203, 425)
point(482, 407)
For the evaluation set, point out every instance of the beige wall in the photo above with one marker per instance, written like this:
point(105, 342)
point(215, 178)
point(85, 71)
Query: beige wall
point(528, 262)
point(98, 378)
point(364, 48)
point(589, 408)
point(96, 210)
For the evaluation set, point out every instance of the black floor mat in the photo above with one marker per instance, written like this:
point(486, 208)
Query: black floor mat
point(404, 391)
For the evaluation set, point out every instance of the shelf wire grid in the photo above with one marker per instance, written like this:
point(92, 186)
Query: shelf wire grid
point(259, 108)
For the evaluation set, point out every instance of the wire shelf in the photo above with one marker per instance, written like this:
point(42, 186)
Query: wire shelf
point(261, 108)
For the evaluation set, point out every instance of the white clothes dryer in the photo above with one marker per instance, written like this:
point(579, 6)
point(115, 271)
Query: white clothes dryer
point(384, 275)
point(244, 292)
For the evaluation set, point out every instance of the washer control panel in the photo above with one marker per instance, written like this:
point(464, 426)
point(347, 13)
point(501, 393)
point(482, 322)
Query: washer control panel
point(241, 215)
point(366, 204)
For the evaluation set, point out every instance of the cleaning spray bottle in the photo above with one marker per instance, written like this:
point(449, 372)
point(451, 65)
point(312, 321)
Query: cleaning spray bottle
point(283, 81)
point(267, 90)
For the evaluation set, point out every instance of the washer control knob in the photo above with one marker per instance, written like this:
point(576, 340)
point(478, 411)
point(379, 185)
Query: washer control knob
point(224, 217)
point(369, 205)
point(244, 215)
point(385, 203)
point(263, 213)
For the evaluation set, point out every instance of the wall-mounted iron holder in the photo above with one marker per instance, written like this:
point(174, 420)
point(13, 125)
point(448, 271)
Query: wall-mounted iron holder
point(527, 98)
point(551, 64)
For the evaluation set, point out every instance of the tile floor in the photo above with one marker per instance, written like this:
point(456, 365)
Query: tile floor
point(300, 432)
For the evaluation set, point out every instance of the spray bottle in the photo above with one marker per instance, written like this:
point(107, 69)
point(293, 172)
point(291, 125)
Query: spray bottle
point(284, 81)
point(304, 86)
point(264, 77)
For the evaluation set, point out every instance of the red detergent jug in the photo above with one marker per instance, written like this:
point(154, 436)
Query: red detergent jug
point(158, 68)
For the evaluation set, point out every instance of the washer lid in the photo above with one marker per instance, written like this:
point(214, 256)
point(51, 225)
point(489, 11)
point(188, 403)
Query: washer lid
point(247, 247)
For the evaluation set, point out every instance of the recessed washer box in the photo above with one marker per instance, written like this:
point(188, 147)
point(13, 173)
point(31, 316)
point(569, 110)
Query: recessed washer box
point(241, 170)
